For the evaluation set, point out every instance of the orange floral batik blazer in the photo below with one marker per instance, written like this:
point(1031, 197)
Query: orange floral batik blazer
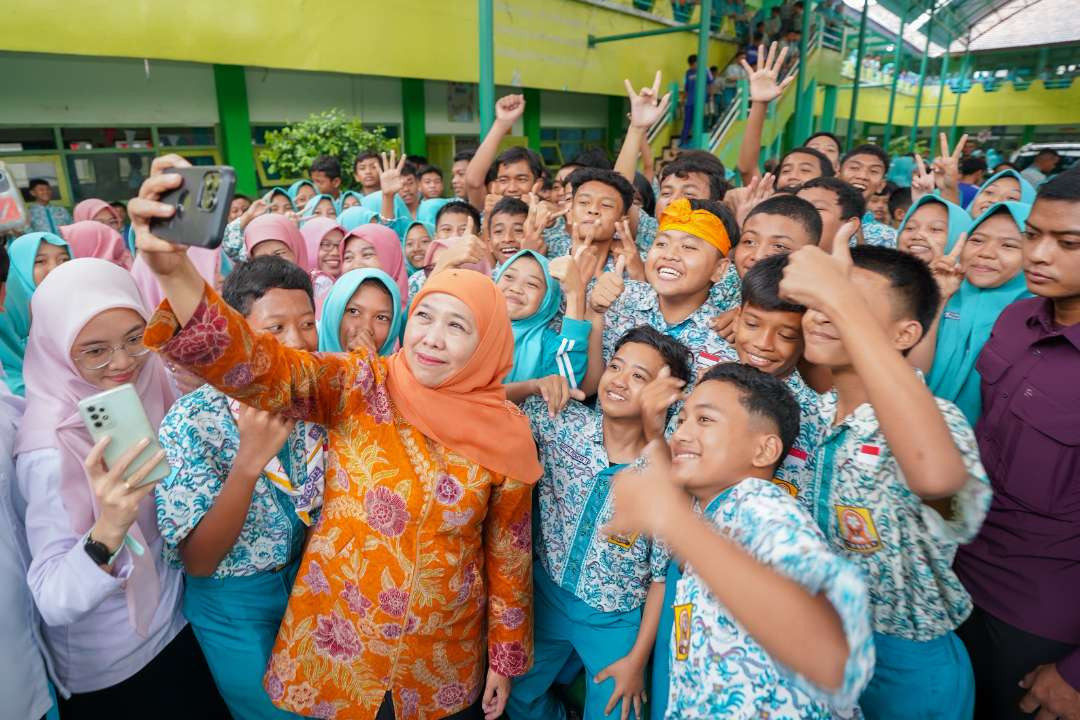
point(419, 568)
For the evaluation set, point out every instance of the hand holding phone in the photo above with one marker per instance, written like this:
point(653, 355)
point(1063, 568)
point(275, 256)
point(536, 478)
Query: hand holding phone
point(202, 203)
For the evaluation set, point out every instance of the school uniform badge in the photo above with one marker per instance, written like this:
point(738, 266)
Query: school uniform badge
point(624, 541)
point(788, 487)
point(684, 615)
point(856, 527)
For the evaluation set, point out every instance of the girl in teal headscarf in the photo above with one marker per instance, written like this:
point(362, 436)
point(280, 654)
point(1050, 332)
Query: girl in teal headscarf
point(354, 217)
point(931, 227)
point(993, 279)
point(533, 298)
point(1005, 186)
point(301, 191)
point(320, 205)
point(24, 275)
point(280, 202)
point(372, 301)
point(348, 199)
point(414, 244)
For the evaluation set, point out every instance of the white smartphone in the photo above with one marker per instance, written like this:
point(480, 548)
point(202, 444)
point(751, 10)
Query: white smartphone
point(119, 414)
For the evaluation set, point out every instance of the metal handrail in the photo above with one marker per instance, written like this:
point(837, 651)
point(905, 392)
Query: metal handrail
point(725, 122)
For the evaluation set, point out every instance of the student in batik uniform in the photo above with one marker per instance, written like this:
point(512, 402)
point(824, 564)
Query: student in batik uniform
point(362, 310)
point(865, 168)
point(244, 487)
point(597, 595)
point(896, 484)
point(769, 622)
point(369, 626)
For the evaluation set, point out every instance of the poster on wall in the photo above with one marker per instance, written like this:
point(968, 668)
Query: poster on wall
point(460, 102)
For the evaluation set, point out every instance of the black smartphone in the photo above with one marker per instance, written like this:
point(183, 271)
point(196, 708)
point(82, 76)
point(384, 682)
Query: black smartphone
point(202, 206)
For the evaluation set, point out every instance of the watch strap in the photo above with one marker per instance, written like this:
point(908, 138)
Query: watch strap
point(99, 551)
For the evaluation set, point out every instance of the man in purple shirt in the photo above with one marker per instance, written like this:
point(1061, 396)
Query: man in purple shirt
point(1023, 570)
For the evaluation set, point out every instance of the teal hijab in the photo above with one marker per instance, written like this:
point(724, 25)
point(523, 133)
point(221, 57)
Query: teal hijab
point(309, 209)
point(354, 217)
point(339, 204)
point(965, 327)
point(959, 220)
point(295, 188)
point(529, 332)
point(283, 193)
point(15, 321)
point(429, 209)
point(373, 202)
point(1027, 190)
point(333, 310)
point(430, 227)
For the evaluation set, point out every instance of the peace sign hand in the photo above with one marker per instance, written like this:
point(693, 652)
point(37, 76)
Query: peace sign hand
point(764, 86)
point(626, 248)
point(922, 180)
point(820, 280)
point(646, 107)
point(390, 176)
point(947, 269)
point(946, 166)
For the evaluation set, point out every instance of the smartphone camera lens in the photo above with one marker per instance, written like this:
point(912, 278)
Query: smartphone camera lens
point(97, 424)
point(92, 408)
point(94, 416)
point(105, 417)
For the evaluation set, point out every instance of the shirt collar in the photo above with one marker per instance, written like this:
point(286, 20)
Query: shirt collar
point(1042, 317)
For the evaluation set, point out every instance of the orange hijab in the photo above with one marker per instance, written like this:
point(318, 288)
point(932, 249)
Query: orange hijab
point(469, 413)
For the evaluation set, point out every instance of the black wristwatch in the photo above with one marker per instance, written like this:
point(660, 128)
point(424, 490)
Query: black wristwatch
point(99, 552)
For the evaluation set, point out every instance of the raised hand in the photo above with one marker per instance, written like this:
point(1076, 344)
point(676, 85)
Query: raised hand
point(390, 173)
point(746, 199)
point(259, 207)
point(656, 398)
point(817, 279)
point(922, 180)
point(946, 165)
point(627, 248)
point(565, 269)
point(162, 256)
point(509, 109)
point(118, 498)
point(589, 261)
point(469, 249)
point(608, 288)
point(646, 107)
point(556, 392)
point(764, 84)
point(948, 271)
point(643, 497)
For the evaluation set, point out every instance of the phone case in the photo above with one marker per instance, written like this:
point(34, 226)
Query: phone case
point(202, 206)
point(13, 214)
point(119, 414)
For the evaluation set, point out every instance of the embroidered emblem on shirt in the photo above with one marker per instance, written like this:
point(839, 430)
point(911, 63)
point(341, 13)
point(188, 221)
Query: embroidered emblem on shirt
point(624, 541)
point(869, 456)
point(951, 315)
point(707, 359)
point(856, 527)
point(684, 614)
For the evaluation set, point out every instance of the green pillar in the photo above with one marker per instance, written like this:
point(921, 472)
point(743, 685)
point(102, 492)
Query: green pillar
point(804, 112)
point(531, 118)
point(922, 80)
point(231, 89)
point(700, 140)
point(616, 121)
point(485, 29)
point(828, 110)
point(858, 75)
point(897, 67)
point(1027, 135)
point(414, 121)
point(954, 131)
point(940, 100)
point(1040, 68)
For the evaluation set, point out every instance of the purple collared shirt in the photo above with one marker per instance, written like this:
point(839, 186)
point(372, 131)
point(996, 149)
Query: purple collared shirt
point(1024, 567)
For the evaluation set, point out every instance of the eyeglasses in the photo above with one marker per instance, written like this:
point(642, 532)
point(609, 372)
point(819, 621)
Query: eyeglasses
point(98, 357)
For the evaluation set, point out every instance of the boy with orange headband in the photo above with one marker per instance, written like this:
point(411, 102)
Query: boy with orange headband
point(682, 271)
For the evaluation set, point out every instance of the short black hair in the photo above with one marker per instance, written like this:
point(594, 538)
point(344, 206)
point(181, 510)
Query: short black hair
point(417, 160)
point(34, 183)
point(509, 206)
point(761, 285)
point(852, 203)
point(122, 204)
point(972, 164)
point(868, 149)
point(1065, 186)
point(608, 177)
point(644, 188)
point(822, 133)
point(687, 163)
point(409, 169)
point(366, 155)
point(252, 279)
point(793, 207)
point(691, 59)
point(427, 170)
point(464, 155)
point(900, 200)
point(593, 157)
point(237, 196)
point(676, 356)
point(827, 169)
point(916, 294)
point(762, 395)
point(723, 213)
point(328, 165)
point(459, 207)
point(1047, 151)
point(887, 189)
point(520, 154)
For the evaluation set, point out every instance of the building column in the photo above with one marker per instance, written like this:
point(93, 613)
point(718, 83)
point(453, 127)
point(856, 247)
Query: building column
point(616, 121)
point(531, 119)
point(828, 110)
point(231, 89)
point(413, 117)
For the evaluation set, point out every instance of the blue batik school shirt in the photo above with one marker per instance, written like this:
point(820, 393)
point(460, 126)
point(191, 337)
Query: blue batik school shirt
point(608, 572)
point(876, 233)
point(718, 670)
point(201, 441)
point(856, 492)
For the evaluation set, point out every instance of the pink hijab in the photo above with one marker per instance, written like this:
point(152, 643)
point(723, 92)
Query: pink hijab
point(277, 227)
point(89, 238)
point(314, 230)
point(436, 245)
point(54, 387)
point(88, 209)
point(206, 261)
point(387, 246)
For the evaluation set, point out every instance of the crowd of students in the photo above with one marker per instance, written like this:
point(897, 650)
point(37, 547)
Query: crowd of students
point(788, 449)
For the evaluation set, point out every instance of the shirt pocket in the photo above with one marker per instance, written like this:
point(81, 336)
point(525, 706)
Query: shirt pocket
point(990, 365)
point(1045, 453)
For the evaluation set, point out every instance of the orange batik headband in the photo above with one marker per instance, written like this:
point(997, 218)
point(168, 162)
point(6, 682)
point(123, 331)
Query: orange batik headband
point(699, 223)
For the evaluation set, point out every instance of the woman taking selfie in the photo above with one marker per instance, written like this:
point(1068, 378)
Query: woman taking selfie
point(424, 538)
